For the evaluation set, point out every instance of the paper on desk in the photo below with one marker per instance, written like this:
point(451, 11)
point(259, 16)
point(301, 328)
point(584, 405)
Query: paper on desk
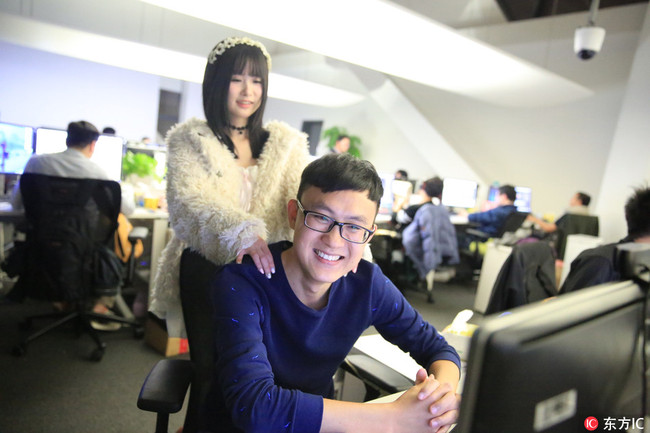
point(389, 354)
point(377, 347)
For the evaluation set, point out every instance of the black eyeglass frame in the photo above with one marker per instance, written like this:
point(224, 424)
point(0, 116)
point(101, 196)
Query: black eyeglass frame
point(333, 223)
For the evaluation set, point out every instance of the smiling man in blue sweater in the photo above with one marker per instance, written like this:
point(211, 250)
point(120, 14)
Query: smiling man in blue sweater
point(279, 341)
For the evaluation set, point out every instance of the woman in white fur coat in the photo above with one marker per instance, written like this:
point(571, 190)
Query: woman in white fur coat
point(229, 178)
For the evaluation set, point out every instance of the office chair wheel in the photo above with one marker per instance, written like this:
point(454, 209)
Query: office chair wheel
point(19, 350)
point(97, 354)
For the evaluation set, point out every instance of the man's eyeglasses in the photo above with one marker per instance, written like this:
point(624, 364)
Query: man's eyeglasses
point(322, 223)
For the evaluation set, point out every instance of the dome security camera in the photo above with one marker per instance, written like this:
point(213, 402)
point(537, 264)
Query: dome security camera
point(588, 41)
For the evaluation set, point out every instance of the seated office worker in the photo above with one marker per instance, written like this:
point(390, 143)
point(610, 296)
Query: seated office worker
point(490, 221)
point(578, 205)
point(74, 162)
point(279, 341)
point(430, 240)
point(598, 265)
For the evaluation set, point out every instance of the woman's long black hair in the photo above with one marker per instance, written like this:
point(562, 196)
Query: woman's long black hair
point(216, 84)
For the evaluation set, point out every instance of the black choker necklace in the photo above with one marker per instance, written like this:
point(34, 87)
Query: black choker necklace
point(239, 129)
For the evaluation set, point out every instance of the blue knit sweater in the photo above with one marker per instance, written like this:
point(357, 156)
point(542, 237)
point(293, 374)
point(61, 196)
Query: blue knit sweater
point(276, 356)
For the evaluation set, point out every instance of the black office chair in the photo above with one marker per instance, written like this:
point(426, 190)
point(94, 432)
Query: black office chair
point(571, 224)
point(68, 222)
point(527, 275)
point(164, 389)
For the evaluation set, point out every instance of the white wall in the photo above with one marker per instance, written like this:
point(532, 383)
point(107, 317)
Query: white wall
point(628, 162)
point(42, 89)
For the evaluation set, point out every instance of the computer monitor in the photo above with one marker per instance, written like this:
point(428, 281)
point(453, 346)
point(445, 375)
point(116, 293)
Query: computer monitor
point(386, 202)
point(16, 147)
point(551, 366)
point(493, 193)
point(523, 199)
point(459, 193)
point(108, 150)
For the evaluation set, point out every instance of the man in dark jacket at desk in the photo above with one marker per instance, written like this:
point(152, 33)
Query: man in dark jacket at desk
point(490, 221)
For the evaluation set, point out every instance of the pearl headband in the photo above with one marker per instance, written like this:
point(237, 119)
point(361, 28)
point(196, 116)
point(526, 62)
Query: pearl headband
point(231, 42)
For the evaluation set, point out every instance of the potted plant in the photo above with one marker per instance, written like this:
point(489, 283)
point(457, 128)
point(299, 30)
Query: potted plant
point(335, 131)
point(139, 165)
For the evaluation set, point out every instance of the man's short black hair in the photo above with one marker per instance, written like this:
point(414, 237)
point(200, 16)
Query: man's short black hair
point(509, 191)
point(81, 134)
point(584, 198)
point(341, 172)
point(637, 213)
point(433, 187)
point(342, 136)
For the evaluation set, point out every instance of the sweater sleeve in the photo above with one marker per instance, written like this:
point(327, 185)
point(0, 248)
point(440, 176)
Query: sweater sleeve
point(203, 215)
point(244, 374)
point(487, 217)
point(398, 322)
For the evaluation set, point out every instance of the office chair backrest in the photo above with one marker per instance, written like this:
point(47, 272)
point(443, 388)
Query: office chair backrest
point(512, 223)
point(66, 219)
point(571, 224)
point(527, 275)
point(195, 282)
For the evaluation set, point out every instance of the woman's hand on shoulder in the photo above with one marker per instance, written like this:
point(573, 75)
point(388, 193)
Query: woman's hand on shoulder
point(261, 255)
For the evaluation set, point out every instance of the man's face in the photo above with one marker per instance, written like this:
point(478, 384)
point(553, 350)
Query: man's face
point(575, 200)
point(322, 258)
point(343, 145)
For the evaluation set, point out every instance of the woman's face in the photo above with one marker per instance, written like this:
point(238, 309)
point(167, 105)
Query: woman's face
point(244, 97)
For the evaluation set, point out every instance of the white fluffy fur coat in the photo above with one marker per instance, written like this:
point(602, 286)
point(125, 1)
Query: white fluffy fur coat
point(203, 196)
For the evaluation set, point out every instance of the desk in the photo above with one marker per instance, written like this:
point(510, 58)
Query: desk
point(158, 235)
point(11, 216)
point(377, 347)
point(387, 353)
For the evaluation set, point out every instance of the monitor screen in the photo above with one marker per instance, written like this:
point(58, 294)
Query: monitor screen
point(108, 150)
point(17, 144)
point(493, 193)
point(386, 202)
point(551, 366)
point(459, 193)
point(523, 198)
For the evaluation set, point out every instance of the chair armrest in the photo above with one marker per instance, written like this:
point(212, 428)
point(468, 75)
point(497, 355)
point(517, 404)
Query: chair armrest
point(165, 386)
point(138, 233)
point(379, 375)
point(477, 233)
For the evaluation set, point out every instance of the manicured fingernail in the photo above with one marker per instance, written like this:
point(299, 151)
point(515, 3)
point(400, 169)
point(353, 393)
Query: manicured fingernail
point(261, 270)
point(268, 276)
point(273, 270)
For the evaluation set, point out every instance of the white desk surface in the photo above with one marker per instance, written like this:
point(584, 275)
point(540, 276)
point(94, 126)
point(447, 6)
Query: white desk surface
point(146, 213)
point(389, 354)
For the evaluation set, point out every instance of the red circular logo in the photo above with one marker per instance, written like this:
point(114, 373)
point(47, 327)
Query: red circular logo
point(591, 423)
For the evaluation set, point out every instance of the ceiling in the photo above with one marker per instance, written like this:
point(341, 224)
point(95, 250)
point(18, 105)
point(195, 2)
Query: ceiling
point(515, 10)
